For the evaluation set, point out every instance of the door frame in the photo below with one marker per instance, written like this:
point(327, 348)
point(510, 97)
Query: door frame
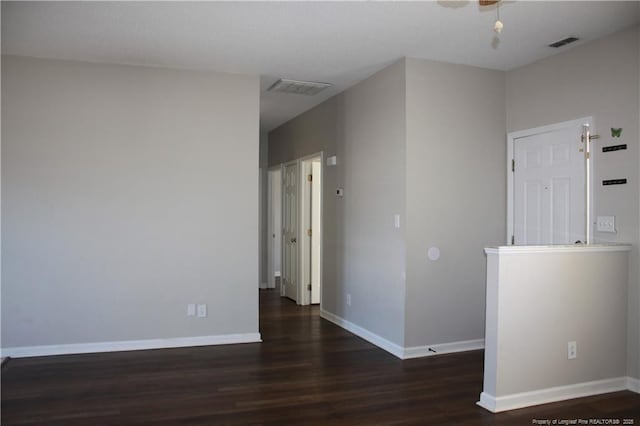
point(270, 230)
point(302, 189)
point(512, 137)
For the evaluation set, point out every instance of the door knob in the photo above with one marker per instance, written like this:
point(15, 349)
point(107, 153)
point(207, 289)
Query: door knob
point(294, 240)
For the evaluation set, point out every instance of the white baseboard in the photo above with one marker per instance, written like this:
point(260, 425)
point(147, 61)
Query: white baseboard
point(399, 351)
point(633, 384)
point(264, 285)
point(370, 337)
point(443, 348)
point(488, 402)
point(130, 345)
point(559, 393)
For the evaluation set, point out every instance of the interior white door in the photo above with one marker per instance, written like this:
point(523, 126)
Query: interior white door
point(549, 187)
point(290, 231)
point(317, 231)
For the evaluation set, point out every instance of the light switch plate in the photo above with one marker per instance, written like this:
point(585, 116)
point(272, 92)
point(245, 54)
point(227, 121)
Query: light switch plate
point(606, 224)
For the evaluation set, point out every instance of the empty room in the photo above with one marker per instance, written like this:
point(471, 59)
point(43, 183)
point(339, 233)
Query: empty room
point(320, 212)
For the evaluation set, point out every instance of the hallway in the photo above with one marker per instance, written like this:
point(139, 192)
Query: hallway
point(306, 371)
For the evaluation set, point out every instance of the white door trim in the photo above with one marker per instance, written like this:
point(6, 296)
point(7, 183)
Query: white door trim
point(282, 290)
point(270, 229)
point(512, 137)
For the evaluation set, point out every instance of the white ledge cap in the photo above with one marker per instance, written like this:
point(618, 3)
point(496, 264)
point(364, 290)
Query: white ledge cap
point(560, 248)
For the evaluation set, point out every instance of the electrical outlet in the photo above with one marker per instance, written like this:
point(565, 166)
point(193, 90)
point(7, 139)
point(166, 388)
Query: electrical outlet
point(572, 350)
point(202, 310)
point(191, 310)
point(348, 300)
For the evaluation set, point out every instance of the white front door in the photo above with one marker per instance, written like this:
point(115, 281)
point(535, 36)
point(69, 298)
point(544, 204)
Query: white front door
point(549, 185)
point(290, 231)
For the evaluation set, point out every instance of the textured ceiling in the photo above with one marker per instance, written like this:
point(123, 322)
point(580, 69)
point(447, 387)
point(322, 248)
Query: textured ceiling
point(336, 42)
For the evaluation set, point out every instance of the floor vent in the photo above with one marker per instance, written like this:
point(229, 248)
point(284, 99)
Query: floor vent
point(297, 87)
point(563, 42)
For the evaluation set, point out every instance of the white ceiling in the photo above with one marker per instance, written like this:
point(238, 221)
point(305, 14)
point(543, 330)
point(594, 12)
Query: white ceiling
point(336, 42)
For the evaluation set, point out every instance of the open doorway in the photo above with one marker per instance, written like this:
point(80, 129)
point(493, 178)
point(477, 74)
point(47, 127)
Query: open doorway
point(294, 226)
point(274, 226)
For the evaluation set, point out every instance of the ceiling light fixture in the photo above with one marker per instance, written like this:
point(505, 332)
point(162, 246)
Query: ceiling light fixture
point(498, 26)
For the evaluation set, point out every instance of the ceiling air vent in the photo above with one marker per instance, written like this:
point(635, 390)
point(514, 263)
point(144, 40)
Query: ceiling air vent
point(563, 42)
point(297, 87)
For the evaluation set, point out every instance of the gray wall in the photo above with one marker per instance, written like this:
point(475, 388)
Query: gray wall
point(599, 79)
point(456, 181)
point(370, 252)
point(363, 252)
point(127, 192)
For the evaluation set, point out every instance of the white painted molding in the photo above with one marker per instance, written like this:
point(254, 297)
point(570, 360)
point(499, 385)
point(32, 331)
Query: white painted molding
point(397, 350)
point(130, 345)
point(488, 402)
point(443, 348)
point(633, 384)
point(367, 335)
point(571, 248)
point(560, 393)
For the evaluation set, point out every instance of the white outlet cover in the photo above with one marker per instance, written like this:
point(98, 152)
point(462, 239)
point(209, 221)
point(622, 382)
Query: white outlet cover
point(191, 310)
point(332, 161)
point(572, 350)
point(202, 310)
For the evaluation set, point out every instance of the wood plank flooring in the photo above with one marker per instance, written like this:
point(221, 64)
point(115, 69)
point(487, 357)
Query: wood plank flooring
point(307, 371)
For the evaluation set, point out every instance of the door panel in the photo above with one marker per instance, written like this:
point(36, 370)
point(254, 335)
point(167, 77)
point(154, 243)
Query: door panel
point(532, 212)
point(317, 232)
point(549, 187)
point(290, 231)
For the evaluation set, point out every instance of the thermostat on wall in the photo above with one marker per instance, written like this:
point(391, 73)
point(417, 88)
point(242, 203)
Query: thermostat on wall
point(340, 192)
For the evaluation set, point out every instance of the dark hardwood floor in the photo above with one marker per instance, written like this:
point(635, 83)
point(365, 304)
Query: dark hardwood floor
point(307, 371)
